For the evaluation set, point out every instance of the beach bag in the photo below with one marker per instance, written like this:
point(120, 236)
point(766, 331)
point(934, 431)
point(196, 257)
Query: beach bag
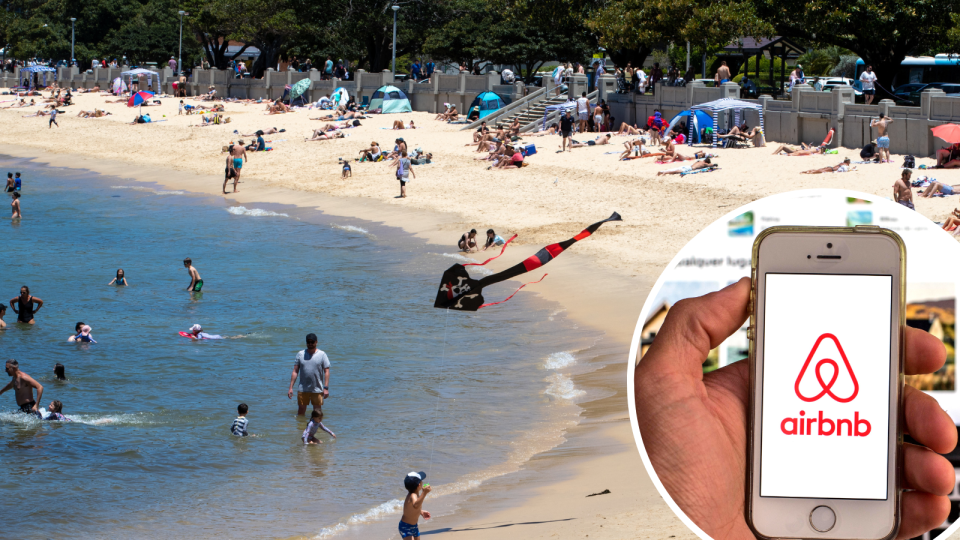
point(909, 162)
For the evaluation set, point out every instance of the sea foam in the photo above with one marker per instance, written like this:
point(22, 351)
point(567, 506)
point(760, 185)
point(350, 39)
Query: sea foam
point(559, 360)
point(351, 228)
point(255, 212)
point(562, 387)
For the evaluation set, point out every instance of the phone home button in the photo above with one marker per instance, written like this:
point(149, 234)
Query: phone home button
point(822, 518)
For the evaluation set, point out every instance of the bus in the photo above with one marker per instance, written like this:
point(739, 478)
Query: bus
point(942, 68)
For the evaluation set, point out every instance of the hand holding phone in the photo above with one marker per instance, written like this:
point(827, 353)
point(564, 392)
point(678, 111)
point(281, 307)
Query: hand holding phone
point(694, 426)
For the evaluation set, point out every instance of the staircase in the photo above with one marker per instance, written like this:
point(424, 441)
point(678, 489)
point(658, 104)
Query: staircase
point(532, 119)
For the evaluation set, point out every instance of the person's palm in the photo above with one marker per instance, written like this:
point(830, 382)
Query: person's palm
point(694, 425)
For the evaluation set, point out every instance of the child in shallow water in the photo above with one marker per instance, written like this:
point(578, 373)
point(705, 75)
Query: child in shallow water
point(309, 434)
point(55, 412)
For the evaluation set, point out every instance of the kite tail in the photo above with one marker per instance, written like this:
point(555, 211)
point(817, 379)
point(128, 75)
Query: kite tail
point(514, 293)
point(492, 258)
point(545, 255)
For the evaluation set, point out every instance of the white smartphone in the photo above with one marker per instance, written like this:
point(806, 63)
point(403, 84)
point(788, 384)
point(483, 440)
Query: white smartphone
point(826, 355)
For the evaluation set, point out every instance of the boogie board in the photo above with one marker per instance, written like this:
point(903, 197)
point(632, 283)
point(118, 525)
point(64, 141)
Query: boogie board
point(188, 335)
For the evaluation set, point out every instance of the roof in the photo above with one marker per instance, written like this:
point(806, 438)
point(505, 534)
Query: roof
point(140, 71)
point(751, 46)
point(726, 104)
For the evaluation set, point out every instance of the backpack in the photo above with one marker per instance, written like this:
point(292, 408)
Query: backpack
point(909, 162)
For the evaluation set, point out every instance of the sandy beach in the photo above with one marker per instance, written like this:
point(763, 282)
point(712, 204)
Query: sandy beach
point(601, 282)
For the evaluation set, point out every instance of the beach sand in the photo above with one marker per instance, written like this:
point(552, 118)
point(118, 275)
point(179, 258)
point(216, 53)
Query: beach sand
point(601, 282)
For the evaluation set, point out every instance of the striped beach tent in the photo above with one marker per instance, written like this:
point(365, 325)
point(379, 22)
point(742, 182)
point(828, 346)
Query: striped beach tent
point(714, 108)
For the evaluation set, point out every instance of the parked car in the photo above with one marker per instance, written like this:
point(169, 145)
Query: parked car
point(951, 88)
point(910, 92)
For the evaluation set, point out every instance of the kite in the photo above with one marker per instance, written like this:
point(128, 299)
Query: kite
point(461, 292)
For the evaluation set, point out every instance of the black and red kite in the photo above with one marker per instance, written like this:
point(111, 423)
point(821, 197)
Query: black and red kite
point(461, 292)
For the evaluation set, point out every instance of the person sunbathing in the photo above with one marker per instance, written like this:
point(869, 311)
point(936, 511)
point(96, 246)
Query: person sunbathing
point(953, 221)
point(791, 150)
point(38, 113)
point(268, 131)
point(596, 142)
point(319, 135)
point(937, 187)
point(627, 129)
point(806, 152)
point(514, 129)
point(687, 169)
point(210, 95)
point(96, 113)
point(451, 115)
point(634, 146)
point(373, 153)
point(497, 150)
point(949, 157)
point(121, 100)
point(398, 124)
point(17, 105)
point(741, 132)
point(490, 137)
point(552, 130)
point(670, 152)
point(842, 167)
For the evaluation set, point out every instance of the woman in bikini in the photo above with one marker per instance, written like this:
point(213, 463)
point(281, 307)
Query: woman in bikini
point(15, 206)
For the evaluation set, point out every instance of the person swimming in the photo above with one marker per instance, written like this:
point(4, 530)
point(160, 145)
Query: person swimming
point(196, 332)
point(60, 372)
point(120, 280)
point(54, 413)
point(84, 335)
point(76, 331)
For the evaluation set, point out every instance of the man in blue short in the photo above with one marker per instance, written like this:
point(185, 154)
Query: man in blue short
point(239, 154)
point(313, 368)
point(883, 141)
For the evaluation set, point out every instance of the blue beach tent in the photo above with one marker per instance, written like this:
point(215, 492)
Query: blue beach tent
point(488, 102)
point(701, 119)
point(389, 99)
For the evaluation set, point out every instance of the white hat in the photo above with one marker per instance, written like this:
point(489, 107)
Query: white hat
point(195, 328)
point(86, 329)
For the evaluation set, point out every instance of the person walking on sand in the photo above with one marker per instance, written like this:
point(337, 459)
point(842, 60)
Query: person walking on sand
point(23, 305)
point(403, 172)
point(313, 368)
point(901, 190)
point(15, 206)
point(883, 140)
point(239, 154)
point(566, 130)
point(583, 112)
point(229, 171)
point(22, 386)
point(867, 80)
point(53, 118)
point(196, 282)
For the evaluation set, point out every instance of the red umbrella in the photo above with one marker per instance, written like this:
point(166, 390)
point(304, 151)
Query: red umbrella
point(139, 98)
point(947, 132)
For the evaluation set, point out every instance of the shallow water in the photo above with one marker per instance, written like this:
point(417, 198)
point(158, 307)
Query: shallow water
point(463, 396)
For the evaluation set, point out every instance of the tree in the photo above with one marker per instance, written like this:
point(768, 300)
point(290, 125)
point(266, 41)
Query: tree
point(882, 32)
point(639, 25)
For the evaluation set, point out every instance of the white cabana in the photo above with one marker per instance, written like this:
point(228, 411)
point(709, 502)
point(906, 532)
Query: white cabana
point(714, 108)
point(140, 72)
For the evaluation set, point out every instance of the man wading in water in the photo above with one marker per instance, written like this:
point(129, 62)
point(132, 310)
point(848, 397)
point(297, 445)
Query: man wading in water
point(23, 385)
point(25, 304)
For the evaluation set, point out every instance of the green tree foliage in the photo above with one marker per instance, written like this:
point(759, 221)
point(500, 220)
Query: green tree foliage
point(522, 34)
point(821, 61)
point(643, 24)
point(881, 32)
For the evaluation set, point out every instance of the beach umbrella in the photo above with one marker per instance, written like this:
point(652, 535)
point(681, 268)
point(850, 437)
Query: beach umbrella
point(947, 132)
point(299, 88)
point(139, 98)
point(119, 86)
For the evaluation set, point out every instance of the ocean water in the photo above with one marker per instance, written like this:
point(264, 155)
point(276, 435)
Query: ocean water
point(465, 397)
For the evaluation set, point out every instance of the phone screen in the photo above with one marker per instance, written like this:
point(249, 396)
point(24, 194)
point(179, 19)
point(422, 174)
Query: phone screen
point(826, 386)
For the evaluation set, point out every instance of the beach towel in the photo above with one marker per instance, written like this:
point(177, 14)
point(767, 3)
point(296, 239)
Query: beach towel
point(699, 171)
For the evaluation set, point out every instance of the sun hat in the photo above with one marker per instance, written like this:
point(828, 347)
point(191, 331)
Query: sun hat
point(195, 328)
point(413, 480)
point(86, 329)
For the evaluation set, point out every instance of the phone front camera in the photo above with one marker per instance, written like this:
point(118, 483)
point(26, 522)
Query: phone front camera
point(829, 246)
point(808, 256)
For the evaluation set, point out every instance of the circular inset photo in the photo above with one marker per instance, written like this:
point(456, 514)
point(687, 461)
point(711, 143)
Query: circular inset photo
point(793, 373)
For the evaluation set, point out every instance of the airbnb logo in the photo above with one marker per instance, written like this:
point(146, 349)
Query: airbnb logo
point(827, 386)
